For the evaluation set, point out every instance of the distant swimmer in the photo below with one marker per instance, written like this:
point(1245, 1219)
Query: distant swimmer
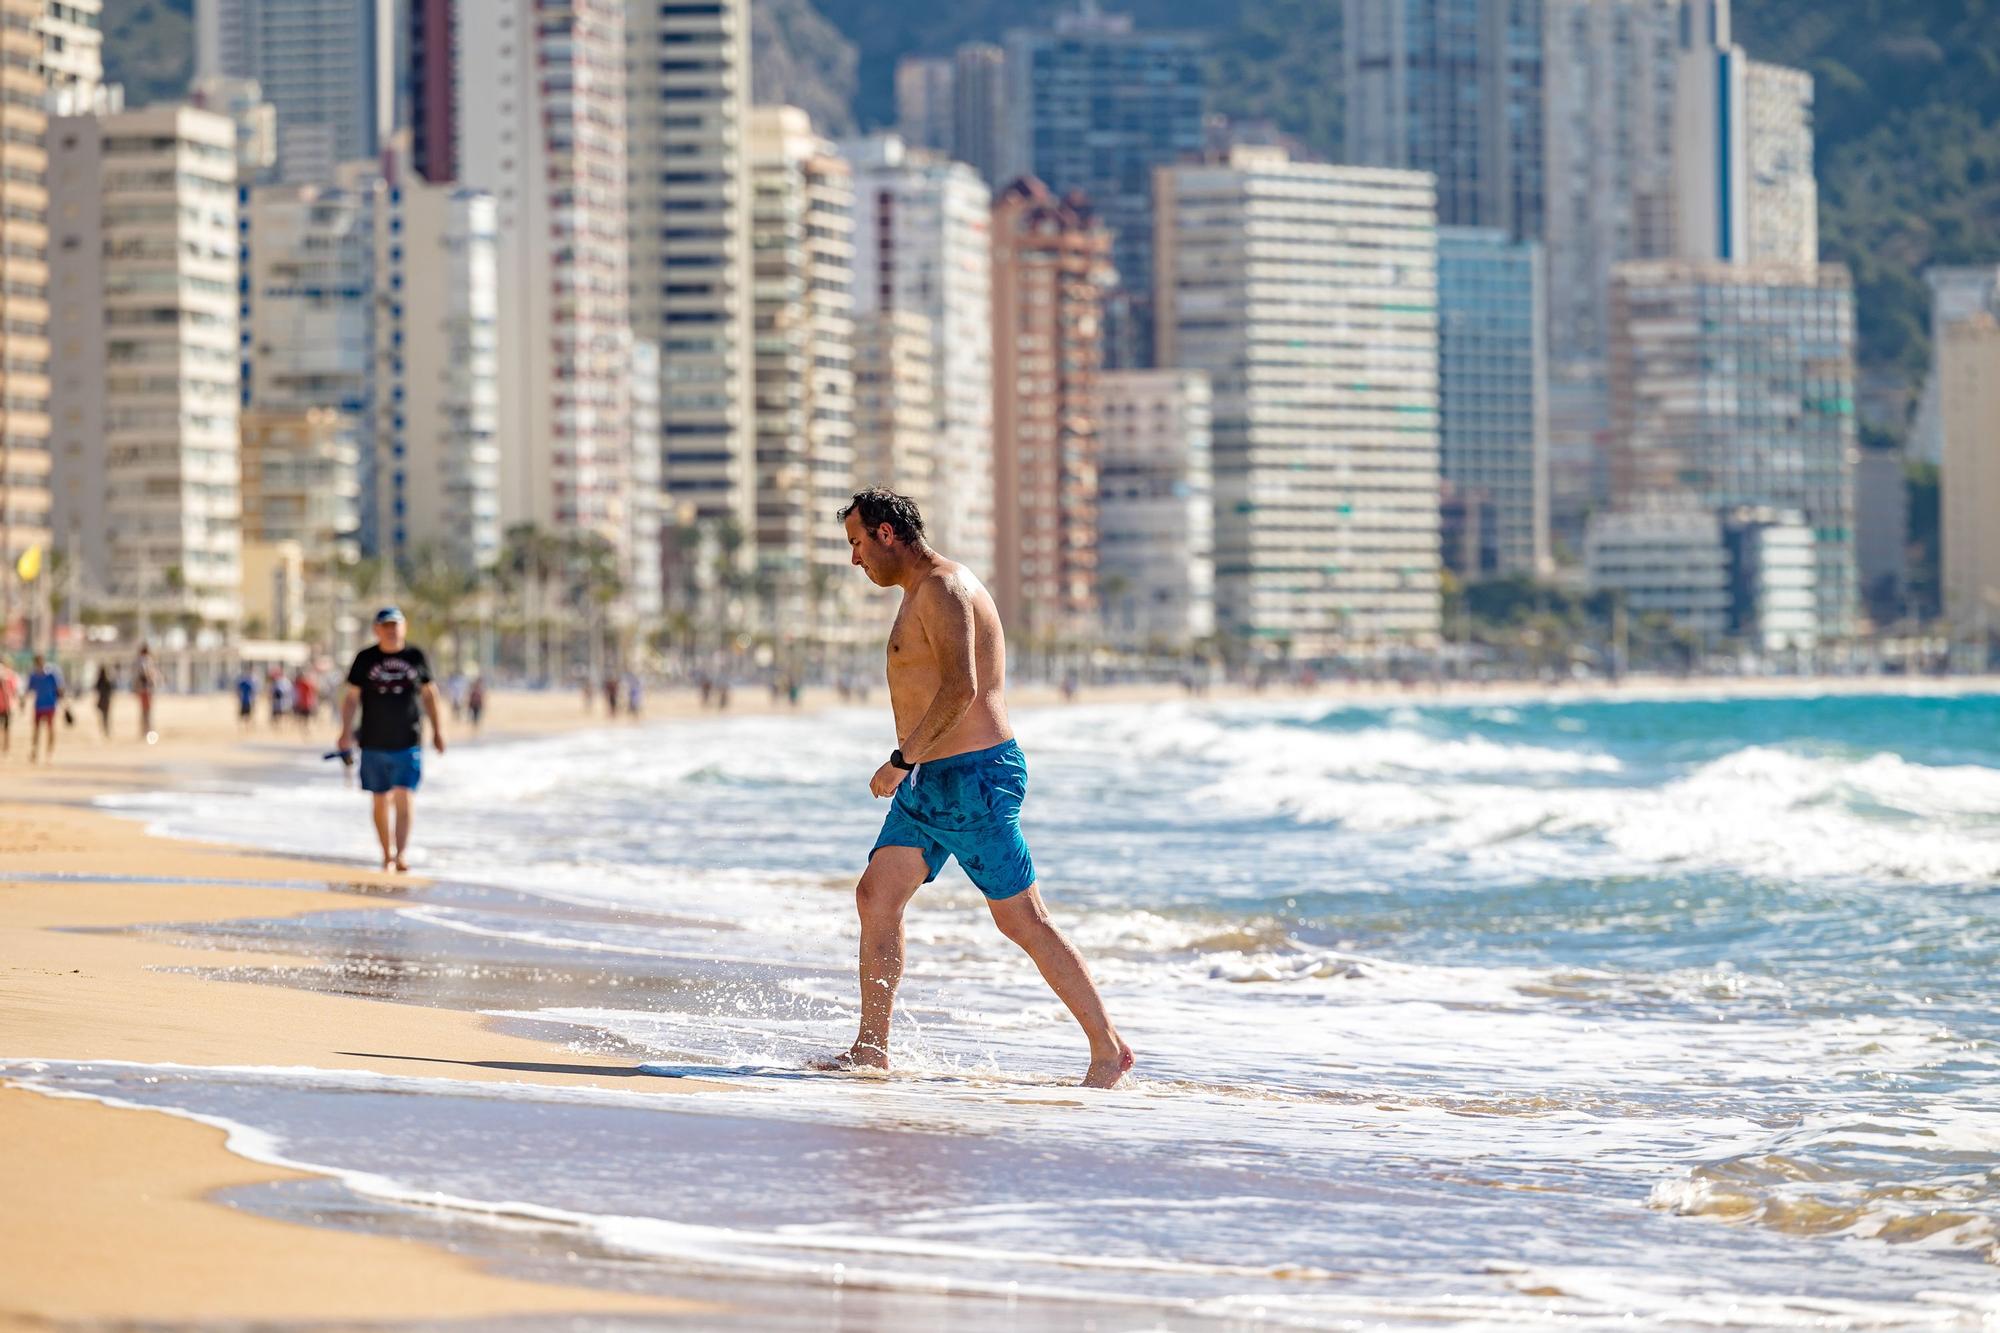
point(391, 685)
point(955, 783)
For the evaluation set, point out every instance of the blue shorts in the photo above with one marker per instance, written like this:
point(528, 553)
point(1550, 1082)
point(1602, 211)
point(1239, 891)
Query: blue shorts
point(385, 770)
point(967, 806)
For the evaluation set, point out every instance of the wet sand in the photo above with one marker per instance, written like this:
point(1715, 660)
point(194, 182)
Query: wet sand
point(111, 1215)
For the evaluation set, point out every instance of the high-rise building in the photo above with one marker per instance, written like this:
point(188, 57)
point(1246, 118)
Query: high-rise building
point(1743, 150)
point(1957, 293)
point(802, 243)
point(1453, 87)
point(1093, 105)
point(256, 122)
point(895, 404)
point(1309, 295)
point(330, 67)
point(432, 111)
point(1156, 509)
point(144, 291)
point(687, 113)
point(646, 521)
point(1051, 265)
point(549, 145)
point(1493, 388)
point(24, 305)
point(302, 484)
point(1610, 134)
point(435, 349)
point(1969, 396)
point(1733, 384)
point(926, 101)
point(979, 107)
point(956, 105)
point(72, 59)
point(922, 244)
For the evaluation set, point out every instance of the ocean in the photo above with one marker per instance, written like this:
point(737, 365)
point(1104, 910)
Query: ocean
point(1475, 1015)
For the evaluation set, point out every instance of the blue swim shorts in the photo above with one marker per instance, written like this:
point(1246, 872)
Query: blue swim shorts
point(384, 770)
point(967, 806)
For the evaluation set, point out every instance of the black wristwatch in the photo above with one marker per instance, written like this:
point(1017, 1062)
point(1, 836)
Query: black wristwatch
point(896, 758)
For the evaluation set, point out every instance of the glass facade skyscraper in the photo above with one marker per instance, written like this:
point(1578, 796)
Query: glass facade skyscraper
point(1094, 106)
point(1453, 87)
point(1733, 384)
point(1493, 387)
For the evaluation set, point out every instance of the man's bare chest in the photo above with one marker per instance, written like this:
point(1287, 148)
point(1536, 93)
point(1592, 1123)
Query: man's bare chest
point(908, 648)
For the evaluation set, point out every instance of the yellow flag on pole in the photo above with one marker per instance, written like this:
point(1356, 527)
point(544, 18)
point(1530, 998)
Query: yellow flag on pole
point(30, 564)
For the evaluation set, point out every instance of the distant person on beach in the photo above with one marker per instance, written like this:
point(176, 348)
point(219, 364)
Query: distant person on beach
point(10, 699)
point(390, 685)
point(475, 700)
point(305, 698)
point(955, 783)
point(145, 679)
point(281, 696)
point(246, 699)
point(45, 687)
point(106, 686)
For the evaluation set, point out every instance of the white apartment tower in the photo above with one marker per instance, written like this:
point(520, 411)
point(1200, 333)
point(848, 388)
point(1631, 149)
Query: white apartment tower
point(687, 113)
point(1309, 295)
point(330, 67)
point(895, 400)
point(145, 331)
point(802, 246)
point(1743, 170)
point(548, 143)
point(921, 244)
point(1610, 126)
point(72, 54)
point(1156, 508)
point(24, 302)
point(378, 297)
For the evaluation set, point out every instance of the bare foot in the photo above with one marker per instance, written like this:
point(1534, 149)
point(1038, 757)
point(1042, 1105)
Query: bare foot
point(401, 865)
point(388, 864)
point(853, 1058)
point(1106, 1073)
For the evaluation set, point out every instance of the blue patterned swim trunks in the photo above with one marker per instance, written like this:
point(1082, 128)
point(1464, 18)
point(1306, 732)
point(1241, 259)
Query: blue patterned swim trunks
point(967, 806)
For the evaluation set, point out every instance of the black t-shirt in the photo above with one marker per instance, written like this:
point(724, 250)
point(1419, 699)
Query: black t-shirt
point(392, 686)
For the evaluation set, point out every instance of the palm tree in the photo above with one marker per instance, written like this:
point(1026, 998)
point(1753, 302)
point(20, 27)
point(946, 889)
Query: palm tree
point(439, 592)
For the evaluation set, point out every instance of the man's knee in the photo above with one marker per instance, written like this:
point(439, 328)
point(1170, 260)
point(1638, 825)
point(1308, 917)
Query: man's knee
point(886, 886)
point(1024, 920)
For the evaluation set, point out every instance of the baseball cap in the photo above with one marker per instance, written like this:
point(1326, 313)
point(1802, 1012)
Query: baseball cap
point(389, 615)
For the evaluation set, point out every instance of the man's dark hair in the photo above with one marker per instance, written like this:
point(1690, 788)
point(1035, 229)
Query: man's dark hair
point(878, 505)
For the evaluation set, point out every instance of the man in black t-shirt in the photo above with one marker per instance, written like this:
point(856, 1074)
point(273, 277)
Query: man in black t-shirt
point(390, 684)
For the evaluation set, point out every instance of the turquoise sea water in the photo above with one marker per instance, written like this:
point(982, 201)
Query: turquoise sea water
point(1489, 1014)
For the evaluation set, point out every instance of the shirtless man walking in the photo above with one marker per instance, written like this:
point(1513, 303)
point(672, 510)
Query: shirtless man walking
point(955, 784)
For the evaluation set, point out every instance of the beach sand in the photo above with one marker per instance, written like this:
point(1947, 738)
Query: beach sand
point(112, 1212)
point(109, 1215)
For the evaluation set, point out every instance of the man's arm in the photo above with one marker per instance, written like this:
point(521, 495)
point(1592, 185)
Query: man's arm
point(350, 700)
point(944, 610)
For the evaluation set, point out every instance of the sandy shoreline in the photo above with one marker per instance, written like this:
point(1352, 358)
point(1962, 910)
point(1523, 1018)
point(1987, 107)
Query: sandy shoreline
point(111, 1219)
point(118, 1222)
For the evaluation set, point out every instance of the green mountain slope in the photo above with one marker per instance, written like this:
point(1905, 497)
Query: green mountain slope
point(149, 47)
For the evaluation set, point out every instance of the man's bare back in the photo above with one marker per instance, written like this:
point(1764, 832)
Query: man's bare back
point(947, 594)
